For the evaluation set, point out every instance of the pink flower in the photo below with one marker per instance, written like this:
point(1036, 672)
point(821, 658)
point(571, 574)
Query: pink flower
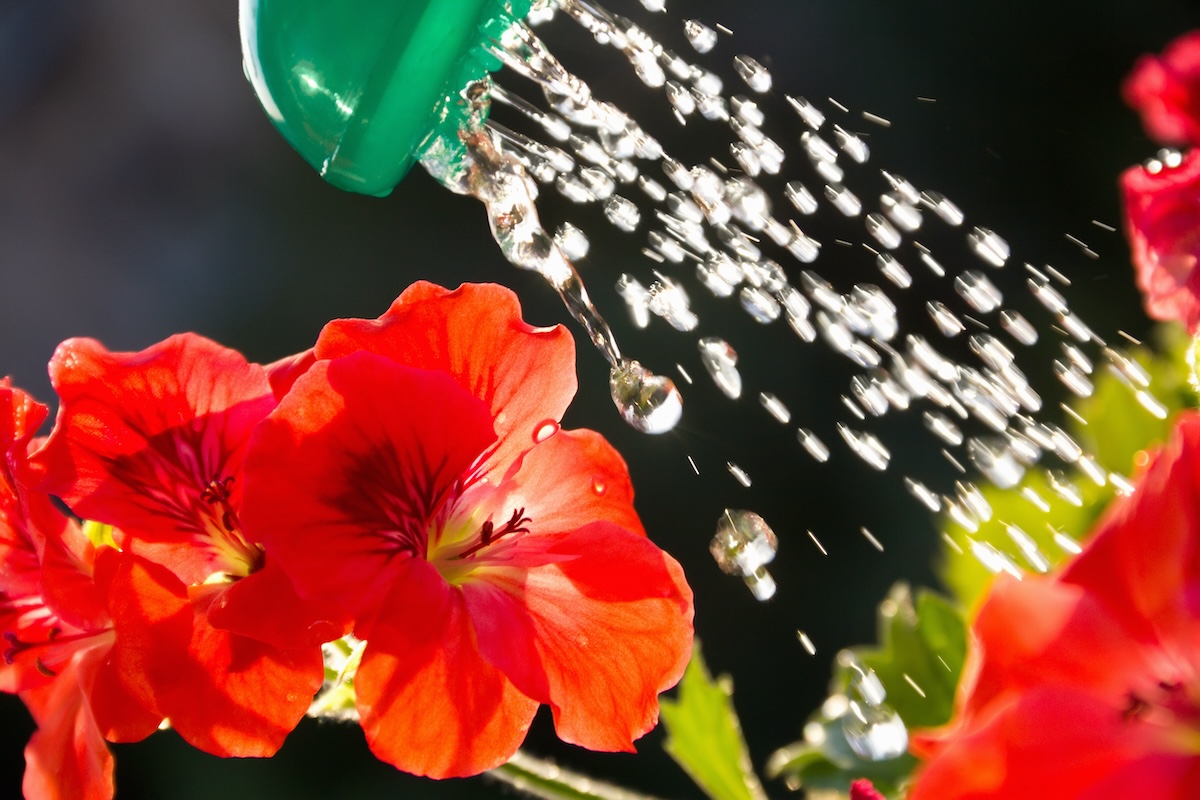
point(1166, 91)
point(414, 482)
point(1087, 685)
point(1162, 222)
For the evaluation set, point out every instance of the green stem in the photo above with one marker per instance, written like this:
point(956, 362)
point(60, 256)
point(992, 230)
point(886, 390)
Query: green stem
point(546, 780)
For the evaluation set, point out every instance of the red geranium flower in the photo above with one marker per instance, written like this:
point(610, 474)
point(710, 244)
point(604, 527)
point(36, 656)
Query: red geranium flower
point(1166, 91)
point(1162, 221)
point(152, 443)
point(1087, 685)
point(416, 478)
point(57, 633)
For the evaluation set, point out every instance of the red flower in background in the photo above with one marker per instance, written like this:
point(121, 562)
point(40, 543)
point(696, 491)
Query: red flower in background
point(152, 443)
point(1165, 90)
point(416, 478)
point(58, 636)
point(1162, 222)
point(1087, 685)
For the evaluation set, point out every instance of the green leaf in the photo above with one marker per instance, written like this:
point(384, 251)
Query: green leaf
point(919, 660)
point(1117, 428)
point(536, 777)
point(705, 738)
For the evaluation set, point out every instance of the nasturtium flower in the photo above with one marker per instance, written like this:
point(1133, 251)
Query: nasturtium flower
point(1162, 222)
point(1087, 684)
point(58, 637)
point(152, 443)
point(1165, 90)
point(415, 481)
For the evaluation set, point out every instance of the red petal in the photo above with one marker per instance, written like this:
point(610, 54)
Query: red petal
point(569, 480)
point(597, 633)
point(525, 375)
point(351, 468)
point(1053, 743)
point(139, 437)
point(1162, 222)
point(67, 758)
point(284, 372)
point(1166, 91)
point(1144, 559)
point(1039, 632)
point(225, 694)
point(265, 606)
point(429, 702)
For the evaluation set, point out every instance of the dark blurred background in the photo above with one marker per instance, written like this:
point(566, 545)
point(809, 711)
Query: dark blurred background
point(144, 192)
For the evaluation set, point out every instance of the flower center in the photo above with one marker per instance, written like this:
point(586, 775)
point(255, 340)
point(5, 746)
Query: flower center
point(239, 556)
point(489, 533)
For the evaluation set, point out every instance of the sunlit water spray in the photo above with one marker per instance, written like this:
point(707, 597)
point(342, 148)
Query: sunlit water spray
point(716, 222)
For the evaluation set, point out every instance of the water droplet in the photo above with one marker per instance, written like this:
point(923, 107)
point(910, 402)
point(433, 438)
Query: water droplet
point(988, 245)
point(1028, 548)
point(800, 197)
point(941, 205)
point(759, 304)
point(544, 430)
point(622, 213)
point(995, 461)
point(1018, 327)
point(775, 407)
point(572, 187)
point(851, 144)
point(637, 299)
point(669, 301)
point(1073, 378)
point(806, 643)
point(648, 402)
point(599, 486)
point(720, 361)
point(843, 199)
point(744, 543)
point(812, 443)
point(810, 114)
point(753, 73)
point(1067, 544)
point(1062, 486)
point(993, 560)
point(927, 498)
point(598, 182)
point(874, 733)
point(701, 37)
point(906, 216)
point(943, 428)
point(740, 475)
point(979, 292)
point(883, 231)
point(866, 446)
point(893, 270)
point(947, 323)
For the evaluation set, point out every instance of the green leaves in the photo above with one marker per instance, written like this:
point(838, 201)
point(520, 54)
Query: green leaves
point(705, 738)
point(536, 777)
point(918, 662)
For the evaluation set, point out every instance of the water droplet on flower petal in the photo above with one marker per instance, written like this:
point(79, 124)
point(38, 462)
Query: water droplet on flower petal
point(544, 430)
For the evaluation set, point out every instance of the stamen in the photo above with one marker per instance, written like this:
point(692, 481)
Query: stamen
point(488, 533)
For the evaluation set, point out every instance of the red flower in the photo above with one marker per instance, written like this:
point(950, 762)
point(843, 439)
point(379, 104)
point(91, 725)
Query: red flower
point(152, 443)
point(1162, 221)
point(1087, 685)
point(1166, 91)
point(58, 636)
point(415, 477)
point(863, 789)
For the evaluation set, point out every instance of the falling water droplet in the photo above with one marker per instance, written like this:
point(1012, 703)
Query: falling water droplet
point(701, 37)
point(775, 407)
point(740, 475)
point(874, 733)
point(943, 207)
point(743, 545)
point(988, 245)
point(883, 231)
point(979, 292)
point(648, 402)
point(806, 643)
point(812, 443)
point(843, 199)
point(753, 73)
point(720, 361)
